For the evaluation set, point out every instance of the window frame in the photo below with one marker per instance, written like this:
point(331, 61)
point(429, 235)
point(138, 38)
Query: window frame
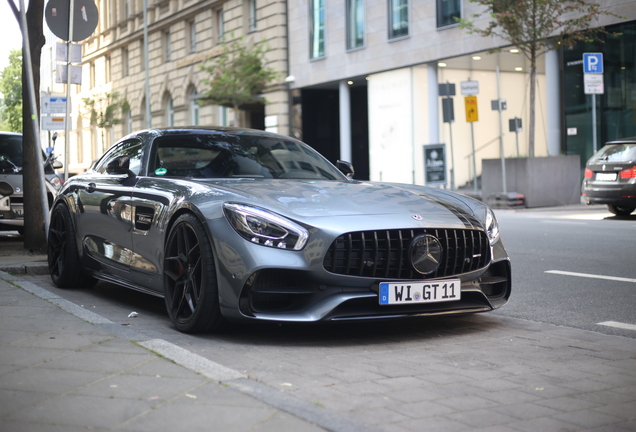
point(317, 39)
point(353, 26)
point(400, 33)
point(441, 20)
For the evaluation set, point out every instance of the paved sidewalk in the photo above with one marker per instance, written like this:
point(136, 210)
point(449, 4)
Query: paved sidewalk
point(63, 368)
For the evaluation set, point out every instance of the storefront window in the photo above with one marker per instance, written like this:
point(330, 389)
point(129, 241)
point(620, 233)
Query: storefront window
point(616, 107)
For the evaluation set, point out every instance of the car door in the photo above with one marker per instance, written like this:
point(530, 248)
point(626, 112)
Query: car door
point(106, 220)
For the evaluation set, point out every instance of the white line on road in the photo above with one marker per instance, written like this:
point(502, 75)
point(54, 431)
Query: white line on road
point(613, 278)
point(618, 325)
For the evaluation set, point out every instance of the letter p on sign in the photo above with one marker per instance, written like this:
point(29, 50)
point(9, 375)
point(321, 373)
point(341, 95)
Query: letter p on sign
point(593, 63)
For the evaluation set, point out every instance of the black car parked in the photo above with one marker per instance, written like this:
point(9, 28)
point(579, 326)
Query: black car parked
point(610, 177)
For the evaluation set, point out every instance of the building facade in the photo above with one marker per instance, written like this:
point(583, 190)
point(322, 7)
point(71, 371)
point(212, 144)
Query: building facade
point(367, 74)
point(151, 56)
point(359, 80)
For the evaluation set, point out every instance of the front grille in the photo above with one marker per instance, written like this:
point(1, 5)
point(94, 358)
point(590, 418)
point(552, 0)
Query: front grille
point(385, 254)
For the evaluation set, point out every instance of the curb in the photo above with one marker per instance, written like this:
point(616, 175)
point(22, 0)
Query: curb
point(33, 269)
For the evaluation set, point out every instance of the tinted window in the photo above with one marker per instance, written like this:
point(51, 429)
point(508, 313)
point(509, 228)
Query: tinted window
point(132, 149)
point(10, 152)
point(227, 156)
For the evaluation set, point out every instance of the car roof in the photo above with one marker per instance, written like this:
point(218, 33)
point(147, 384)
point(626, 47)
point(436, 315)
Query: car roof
point(629, 140)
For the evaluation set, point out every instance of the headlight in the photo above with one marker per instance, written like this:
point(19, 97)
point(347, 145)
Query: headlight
point(492, 226)
point(265, 228)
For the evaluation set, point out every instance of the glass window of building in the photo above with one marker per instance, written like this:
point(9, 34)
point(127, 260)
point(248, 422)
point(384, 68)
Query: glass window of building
point(448, 12)
point(251, 14)
point(169, 110)
point(220, 25)
point(194, 106)
point(398, 18)
point(317, 29)
point(125, 67)
point(192, 35)
point(107, 68)
point(355, 23)
point(616, 107)
point(167, 46)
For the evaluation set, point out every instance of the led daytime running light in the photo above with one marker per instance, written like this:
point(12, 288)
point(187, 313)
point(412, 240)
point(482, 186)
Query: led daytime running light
point(262, 227)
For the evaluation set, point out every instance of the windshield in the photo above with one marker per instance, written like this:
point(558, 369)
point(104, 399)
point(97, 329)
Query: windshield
point(231, 156)
point(10, 153)
point(11, 159)
point(617, 153)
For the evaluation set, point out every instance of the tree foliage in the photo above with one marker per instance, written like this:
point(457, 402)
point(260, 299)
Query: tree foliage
point(11, 89)
point(536, 27)
point(106, 110)
point(238, 76)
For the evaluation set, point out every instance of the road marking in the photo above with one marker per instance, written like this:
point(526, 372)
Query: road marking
point(593, 276)
point(618, 325)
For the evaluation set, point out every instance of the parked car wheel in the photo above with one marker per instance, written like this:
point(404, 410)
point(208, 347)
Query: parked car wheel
point(191, 291)
point(620, 210)
point(63, 256)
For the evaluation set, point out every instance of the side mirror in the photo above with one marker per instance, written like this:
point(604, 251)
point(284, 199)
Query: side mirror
point(57, 164)
point(346, 168)
point(120, 165)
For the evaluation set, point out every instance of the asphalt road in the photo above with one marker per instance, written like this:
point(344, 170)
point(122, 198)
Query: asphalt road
point(574, 268)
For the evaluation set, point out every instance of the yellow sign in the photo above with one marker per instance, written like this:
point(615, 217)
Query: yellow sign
point(472, 114)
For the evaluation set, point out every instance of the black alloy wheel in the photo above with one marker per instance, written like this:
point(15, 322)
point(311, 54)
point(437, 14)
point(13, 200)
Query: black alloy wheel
point(63, 257)
point(620, 210)
point(190, 284)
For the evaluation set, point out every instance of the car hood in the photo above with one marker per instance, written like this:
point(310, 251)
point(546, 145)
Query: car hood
point(308, 198)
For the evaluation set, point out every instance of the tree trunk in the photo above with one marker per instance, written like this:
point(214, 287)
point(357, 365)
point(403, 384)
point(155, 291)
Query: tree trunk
point(34, 214)
point(531, 126)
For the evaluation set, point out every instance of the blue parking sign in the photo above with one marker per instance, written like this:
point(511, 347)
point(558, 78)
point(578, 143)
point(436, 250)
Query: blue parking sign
point(593, 63)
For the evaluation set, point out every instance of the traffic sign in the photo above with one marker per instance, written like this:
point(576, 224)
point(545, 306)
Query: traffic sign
point(52, 104)
point(85, 18)
point(472, 113)
point(470, 88)
point(592, 63)
point(53, 123)
point(593, 84)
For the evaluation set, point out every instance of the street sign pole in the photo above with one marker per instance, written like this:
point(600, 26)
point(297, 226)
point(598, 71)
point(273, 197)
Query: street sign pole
point(501, 143)
point(67, 126)
point(593, 85)
point(470, 89)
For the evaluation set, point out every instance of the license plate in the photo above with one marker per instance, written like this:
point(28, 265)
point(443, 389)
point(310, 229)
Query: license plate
point(606, 176)
point(433, 291)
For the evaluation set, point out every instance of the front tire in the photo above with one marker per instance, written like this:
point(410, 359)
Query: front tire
point(63, 257)
point(190, 284)
point(620, 210)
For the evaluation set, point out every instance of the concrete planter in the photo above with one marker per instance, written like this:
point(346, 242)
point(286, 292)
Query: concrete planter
point(545, 181)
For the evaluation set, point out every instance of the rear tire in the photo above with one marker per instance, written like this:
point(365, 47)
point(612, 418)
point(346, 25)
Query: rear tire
point(620, 210)
point(190, 284)
point(63, 257)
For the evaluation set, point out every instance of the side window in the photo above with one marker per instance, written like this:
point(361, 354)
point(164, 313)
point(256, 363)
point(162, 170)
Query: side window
point(133, 149)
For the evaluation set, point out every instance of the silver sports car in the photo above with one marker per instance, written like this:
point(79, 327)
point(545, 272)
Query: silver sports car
point(230, 224)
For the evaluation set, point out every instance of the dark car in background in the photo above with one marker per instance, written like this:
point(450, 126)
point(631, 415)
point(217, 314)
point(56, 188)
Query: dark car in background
point(236, 224)
point(11, 184)
point(610, 177)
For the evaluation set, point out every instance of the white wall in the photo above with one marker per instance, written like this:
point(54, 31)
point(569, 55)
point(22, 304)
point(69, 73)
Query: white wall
point(398, 122)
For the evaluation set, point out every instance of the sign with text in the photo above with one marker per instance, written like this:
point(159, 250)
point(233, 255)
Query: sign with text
point(435, 164)
point(470, 88)
point(593, 84)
